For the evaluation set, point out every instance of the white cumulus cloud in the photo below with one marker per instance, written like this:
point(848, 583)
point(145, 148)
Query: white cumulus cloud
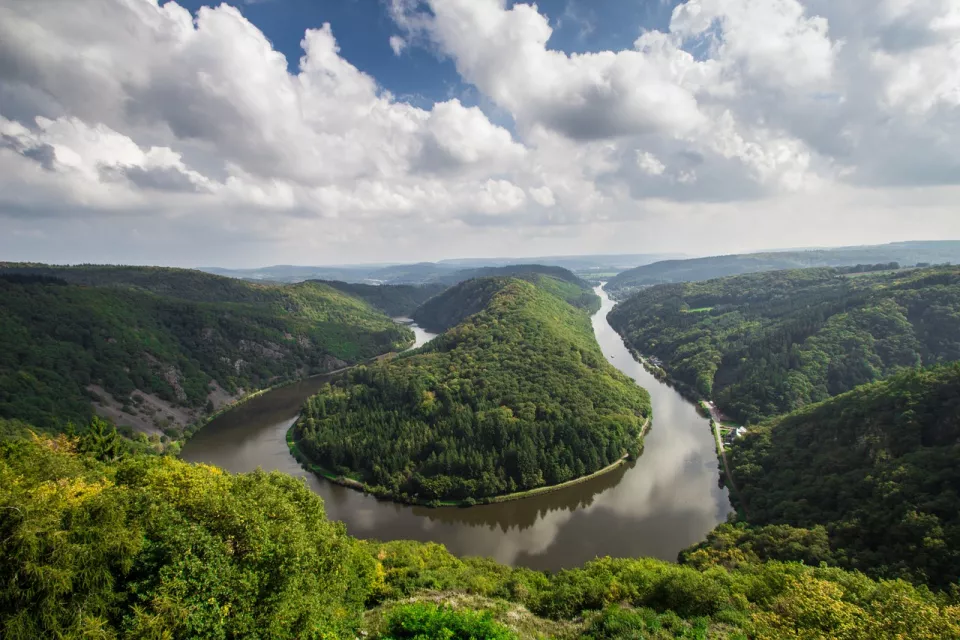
point(146, 115)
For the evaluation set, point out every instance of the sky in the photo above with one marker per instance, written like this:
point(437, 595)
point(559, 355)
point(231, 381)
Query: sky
point(351, 131)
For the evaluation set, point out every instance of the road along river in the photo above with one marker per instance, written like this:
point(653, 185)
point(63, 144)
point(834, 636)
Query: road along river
point(665, 501)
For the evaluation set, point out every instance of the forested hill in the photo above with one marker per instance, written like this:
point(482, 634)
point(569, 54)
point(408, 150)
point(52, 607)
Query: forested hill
point(525, 271)
point(517, 396)
point(186, 284)
point(472, 294)
point(395, 300)
point(765, 344)
point(158, 362)
point(458, 303)
point(97, 545)
point(879, 467)
point(696, 269)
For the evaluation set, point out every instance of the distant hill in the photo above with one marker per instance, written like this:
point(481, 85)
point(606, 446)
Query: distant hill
point(419, 273)
point(296, 273)
point(394, 300)
point(426, 272)
point(457, 304)
point(767, 343)
point(516, 396)
point(515, 270)
point(157, 348)
point(878, 466)
point(696, 269)
point(605, 262)
point(184, 284)
point(445, 311)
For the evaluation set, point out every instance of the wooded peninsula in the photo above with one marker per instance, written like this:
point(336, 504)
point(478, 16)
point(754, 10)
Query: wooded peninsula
point(514, 397)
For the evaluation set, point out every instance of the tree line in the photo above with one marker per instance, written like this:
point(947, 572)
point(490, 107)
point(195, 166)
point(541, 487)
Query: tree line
point(874, 470)
point(765, 344)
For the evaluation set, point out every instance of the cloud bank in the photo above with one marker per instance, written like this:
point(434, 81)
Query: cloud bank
point(756, 122)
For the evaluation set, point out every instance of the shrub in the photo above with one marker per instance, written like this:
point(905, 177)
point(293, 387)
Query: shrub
point(421, 621)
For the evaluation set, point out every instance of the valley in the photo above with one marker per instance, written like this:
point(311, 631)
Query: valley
point(479, 320)
point(665, 501)
point(499, 463)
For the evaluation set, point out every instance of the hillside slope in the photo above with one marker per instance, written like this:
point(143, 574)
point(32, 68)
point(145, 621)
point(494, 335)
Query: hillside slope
point(879, 467)
point(184, 284)
point(696, 269)
point(395, 300)
point(765, 344)
point(517, 396)
point(444, 311)
point(158, 362)
point(153, 547)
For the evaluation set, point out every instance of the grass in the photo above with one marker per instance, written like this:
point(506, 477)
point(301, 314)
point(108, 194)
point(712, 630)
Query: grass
point(699, 310)
point(513, 616)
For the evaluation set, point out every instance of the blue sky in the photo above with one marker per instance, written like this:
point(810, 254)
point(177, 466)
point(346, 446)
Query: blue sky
point(146, 131)
point(421, 76)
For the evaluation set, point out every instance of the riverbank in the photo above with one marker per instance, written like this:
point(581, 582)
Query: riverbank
point(715, 422)
point(704, 408)
point(193, 429)
point(353, 483)
point(669, 500)
point(190, 431)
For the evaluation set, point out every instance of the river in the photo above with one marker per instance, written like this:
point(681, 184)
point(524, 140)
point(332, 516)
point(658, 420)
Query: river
point(665, 501)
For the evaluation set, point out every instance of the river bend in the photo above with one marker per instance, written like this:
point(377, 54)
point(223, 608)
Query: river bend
point(665, 501)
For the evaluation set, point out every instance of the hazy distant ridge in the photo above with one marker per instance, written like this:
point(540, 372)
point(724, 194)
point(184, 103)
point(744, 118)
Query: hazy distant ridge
point(695, 269)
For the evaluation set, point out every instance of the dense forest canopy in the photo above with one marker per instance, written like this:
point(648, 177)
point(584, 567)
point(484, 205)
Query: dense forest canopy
point(765, 344)
point(524, 271)
point(427, 272)
point(878, 467)
point(399, 300)
point(186, 284)
point(153, 547)
point(149, 331)
point(134, 546)
point(516, 396)
point(696, 269)
point(443, 312)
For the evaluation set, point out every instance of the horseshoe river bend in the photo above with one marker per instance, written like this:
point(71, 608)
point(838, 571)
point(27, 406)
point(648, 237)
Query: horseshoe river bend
point(665, 501)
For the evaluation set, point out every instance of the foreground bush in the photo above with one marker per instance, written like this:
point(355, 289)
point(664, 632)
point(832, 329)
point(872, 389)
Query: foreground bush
point(154, 547)
point(151, 547)
point(423, 621)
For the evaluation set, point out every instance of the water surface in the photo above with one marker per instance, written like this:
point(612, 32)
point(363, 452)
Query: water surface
point(664, 502)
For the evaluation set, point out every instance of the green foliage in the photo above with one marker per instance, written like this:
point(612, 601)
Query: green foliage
point(424, 621)
point(516, 397)
point(167, 332)
point(393, 300)
point(458, 303)
point(443, 312)
point(773, 342)
point(877, 467)
point(627, 598)
point(730, 545)
point(643, 624)
point(153, 547)
point(852, 259)
point(101, 441)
